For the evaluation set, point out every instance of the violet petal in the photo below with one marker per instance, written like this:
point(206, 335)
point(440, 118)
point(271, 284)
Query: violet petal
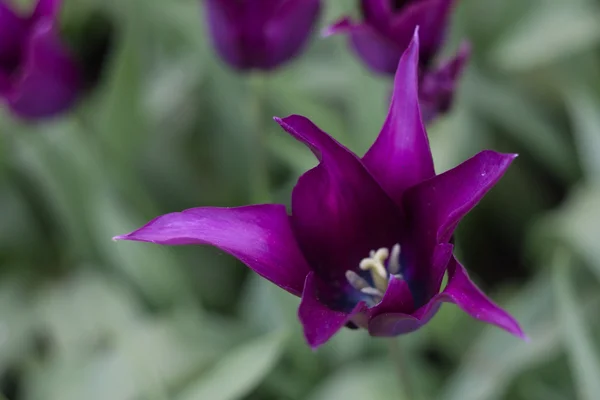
point(376, 12)
point(46, 9)
point(289, 29)
point(437, 89)
point(13, 29)
point(48, 81)
point(401, 157)
point(432, 17)
point(259, 236)
point(435, 206)
point(339, 212)
point(320, 323)
point(392, 320)
point(461, 291)
point(224, 22)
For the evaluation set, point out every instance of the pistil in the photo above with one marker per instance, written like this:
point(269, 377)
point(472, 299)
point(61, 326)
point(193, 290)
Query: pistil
point(380, 273)
point(376, 265)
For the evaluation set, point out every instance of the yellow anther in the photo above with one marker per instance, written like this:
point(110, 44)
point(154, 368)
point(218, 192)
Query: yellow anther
point(375, 264)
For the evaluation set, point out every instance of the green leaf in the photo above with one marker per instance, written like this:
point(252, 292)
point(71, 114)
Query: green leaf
point(585, 364)
point(240, 371)
point(497, 357)
point(578, 224)
point(374, 380)
point(585, 117)
point(507, 106)
point(552, 31)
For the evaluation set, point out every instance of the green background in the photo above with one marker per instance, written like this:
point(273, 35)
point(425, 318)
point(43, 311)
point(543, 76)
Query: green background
point(169, 127)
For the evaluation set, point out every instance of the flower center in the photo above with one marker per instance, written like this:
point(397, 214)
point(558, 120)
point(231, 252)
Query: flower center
point(398, 4)
point(380, 272)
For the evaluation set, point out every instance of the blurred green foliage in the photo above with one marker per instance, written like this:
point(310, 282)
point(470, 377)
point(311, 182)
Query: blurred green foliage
point(82, 317)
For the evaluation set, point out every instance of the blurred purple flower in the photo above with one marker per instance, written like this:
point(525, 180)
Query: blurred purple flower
point(367, 243)
point(38, 76)
point(260, 34)
point(387, 29)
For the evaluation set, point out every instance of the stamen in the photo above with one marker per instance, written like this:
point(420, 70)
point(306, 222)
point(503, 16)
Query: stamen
point(371, 291)
point(375, 264)
point(356, 281)
point(394, 262)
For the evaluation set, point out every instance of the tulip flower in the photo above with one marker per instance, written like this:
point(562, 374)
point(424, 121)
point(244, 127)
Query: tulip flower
point(368, 240)
point(38, 76)
point(260, 34)
point(385, 31)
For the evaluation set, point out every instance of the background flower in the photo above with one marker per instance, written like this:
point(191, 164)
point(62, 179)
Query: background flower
point(260, 34)
point(385, 31)
point(38, 76)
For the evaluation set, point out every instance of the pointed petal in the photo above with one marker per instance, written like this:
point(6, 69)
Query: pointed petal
point(394, 320)
point(397, 299)
point(340, 26)
point(432, 17)
point(339, 212)
point(401, 157)
point(376, 12)
point(49, 80)
point(46, 9)
point(259, 236)
point(320, 322)
point(223, 20)
point(394, 324)
point(377, 51)
point(13, 29)
point(289, 29)
point(437, 205)
point(437, 90)
point(461, 291)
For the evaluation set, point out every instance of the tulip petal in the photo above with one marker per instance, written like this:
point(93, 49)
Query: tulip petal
point(376, 12)
point(222, 19)
point(432, 17)
point(436, 206)
point(401, 157)
point(288, 30)
point(319, 321)
point(377, 51)
point(461, 291)
point(13, 29)
point(339, 212)
point(259, 236)
point(46, 9)
point(397, 299)
point(437, 89)
point(48, 81)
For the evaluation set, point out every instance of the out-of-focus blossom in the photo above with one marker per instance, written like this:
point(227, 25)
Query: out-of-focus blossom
point(260, 34)
point(436, 92)
point(385, 31)
point(368, 240)
point(38, 76)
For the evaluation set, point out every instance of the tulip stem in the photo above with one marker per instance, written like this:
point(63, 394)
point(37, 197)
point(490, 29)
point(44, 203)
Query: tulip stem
point(259, 168)
point(399, 359)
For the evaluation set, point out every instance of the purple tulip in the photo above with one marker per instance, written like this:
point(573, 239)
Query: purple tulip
point(368, 240)
point(260, 34)
point(387, 28)
point(38, 76)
